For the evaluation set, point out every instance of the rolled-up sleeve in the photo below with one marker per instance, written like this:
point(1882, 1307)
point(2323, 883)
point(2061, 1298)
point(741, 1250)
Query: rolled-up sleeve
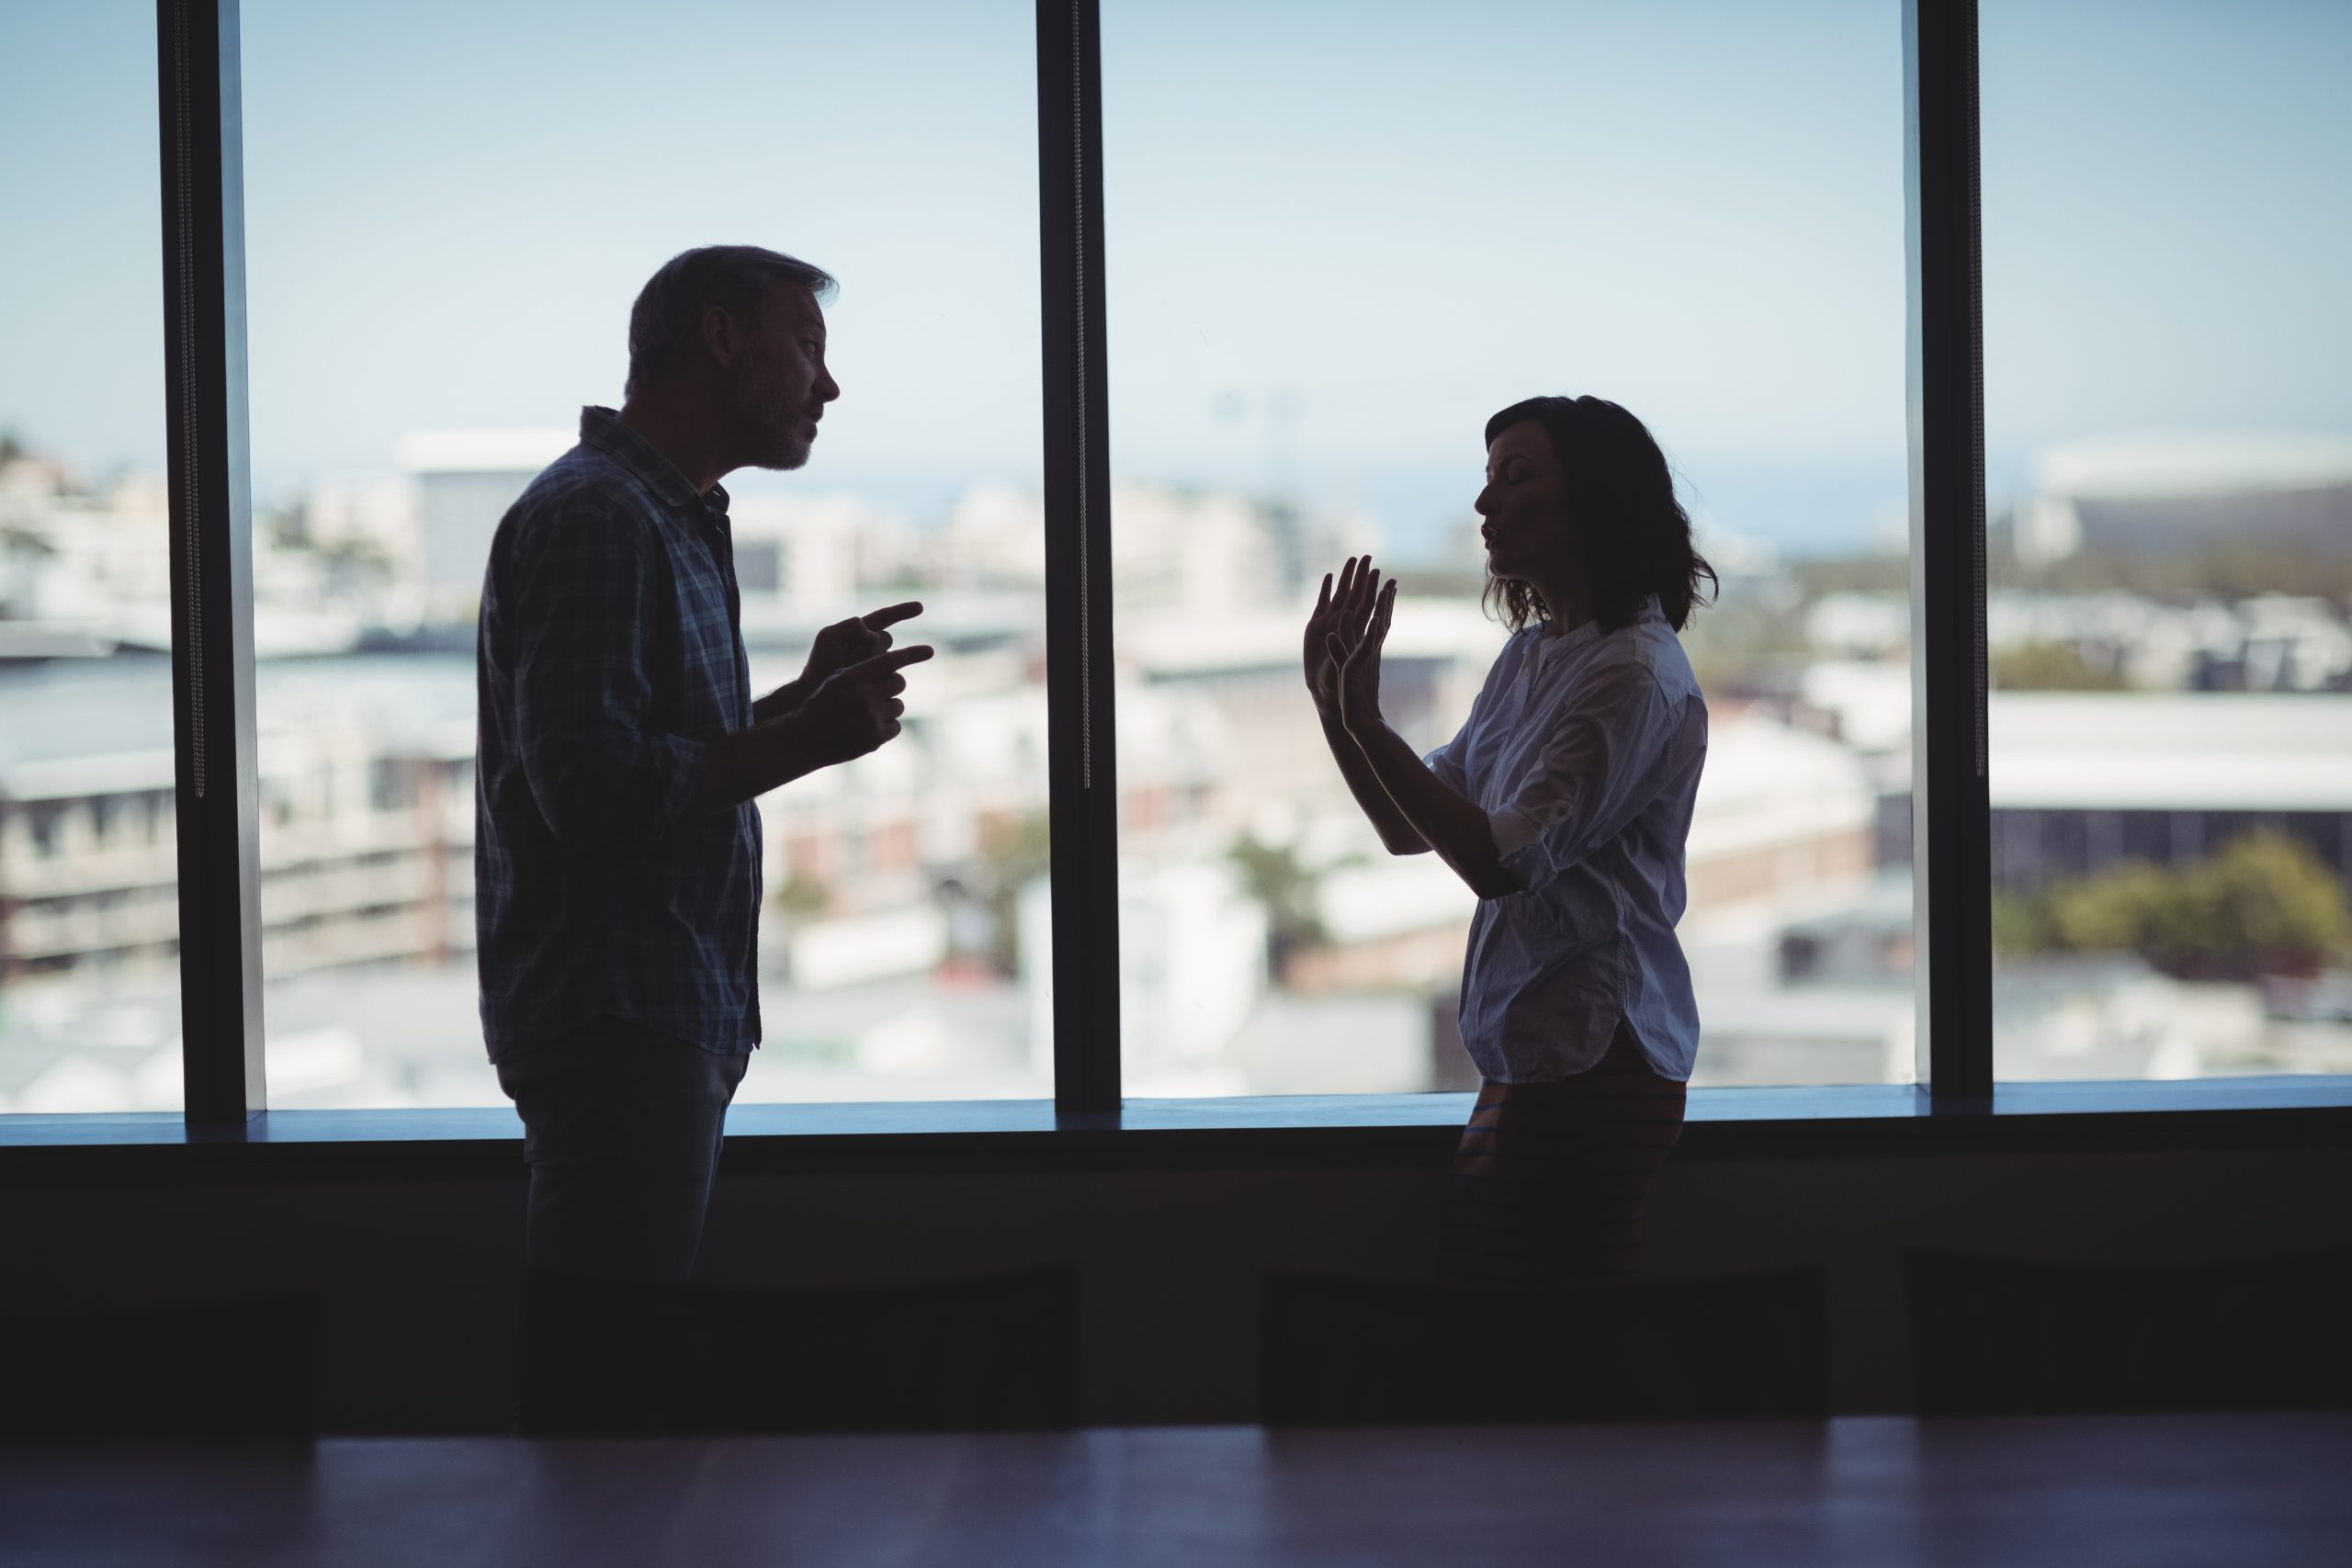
point(1612, 750)
point(584, 601)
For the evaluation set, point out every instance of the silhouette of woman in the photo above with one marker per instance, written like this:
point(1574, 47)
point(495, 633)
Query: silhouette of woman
point(1564, 802)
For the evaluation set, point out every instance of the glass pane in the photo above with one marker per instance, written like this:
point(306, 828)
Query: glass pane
point(1395, 222)
point(2168, 431)
point(89, 866)
point(450, 209)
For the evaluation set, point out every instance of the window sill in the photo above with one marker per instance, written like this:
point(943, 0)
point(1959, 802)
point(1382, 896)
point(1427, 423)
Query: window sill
point(1862, 1121)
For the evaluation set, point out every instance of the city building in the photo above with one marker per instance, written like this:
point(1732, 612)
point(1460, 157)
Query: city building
point(2081, 780)
point(465, 481)
point(2177, 493)
point(907, 900)
point(365, 788)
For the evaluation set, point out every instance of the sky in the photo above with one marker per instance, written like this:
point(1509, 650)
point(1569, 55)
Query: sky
point(1338, 236)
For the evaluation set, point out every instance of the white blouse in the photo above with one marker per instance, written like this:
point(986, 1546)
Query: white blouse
point(1583, 750)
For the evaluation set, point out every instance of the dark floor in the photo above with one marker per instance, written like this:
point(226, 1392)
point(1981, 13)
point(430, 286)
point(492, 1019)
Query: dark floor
point(1866, 1490)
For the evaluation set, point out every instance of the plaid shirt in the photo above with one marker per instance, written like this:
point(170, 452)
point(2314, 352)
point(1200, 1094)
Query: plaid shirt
point(610, 652)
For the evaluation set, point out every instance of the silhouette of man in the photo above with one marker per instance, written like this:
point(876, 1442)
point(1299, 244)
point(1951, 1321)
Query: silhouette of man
point(617, 848)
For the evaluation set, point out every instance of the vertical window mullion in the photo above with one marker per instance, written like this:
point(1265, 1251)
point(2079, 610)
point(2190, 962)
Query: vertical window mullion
point(1951, 806)
point(199, 109)
point(1084, 811)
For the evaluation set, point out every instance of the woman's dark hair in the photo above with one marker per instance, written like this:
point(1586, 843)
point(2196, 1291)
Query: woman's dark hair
point(666, 323)
point(1636, 536)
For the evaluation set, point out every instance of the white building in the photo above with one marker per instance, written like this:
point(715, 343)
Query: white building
point(994, 537)
point(815, 555)
point(465, 481)
point(96, 565)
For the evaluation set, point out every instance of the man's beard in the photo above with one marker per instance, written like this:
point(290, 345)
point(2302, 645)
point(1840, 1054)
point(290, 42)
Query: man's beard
point(786, 449)
point(778, 444)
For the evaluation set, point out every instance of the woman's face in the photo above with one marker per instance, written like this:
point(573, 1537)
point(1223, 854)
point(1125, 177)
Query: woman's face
point(1525, 505)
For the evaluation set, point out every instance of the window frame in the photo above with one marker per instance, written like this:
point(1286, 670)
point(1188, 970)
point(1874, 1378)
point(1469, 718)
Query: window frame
point(1950, 802)
point(199, 116)
point(1952, 1108)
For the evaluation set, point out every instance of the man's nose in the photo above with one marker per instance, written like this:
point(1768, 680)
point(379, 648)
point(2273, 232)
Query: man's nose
point(827, 387)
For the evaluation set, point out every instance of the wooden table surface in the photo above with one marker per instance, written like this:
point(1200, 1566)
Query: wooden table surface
point(2216, 1490)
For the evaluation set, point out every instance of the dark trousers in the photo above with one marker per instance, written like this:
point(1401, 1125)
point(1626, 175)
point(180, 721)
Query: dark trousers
point(621, 1128)
point(1550, 1179)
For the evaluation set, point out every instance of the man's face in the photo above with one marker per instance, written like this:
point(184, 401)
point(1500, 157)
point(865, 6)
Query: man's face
point(777, 383)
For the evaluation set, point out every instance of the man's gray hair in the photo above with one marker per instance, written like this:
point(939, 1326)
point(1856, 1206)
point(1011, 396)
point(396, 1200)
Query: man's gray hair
point(665, 326)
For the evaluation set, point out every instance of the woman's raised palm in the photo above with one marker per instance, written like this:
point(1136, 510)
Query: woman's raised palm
point(1341, 613)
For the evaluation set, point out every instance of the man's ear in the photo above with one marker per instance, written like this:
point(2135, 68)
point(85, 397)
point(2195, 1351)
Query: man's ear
point(722, 335)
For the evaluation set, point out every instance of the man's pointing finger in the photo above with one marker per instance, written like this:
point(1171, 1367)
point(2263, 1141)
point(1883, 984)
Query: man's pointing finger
point(892, 615)
point(898, 658)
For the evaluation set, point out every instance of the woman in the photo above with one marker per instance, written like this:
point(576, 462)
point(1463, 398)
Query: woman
point(1564, 803)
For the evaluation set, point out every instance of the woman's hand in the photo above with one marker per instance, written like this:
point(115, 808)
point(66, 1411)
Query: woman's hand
point(1339, 612)
point(1341, 615)
point(1358, 662)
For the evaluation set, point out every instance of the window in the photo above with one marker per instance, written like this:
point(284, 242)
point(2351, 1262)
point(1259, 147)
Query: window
point(89, 917)
point(457, 191)
point(1331, 250)
point(2169, 452)
point(1388, 230)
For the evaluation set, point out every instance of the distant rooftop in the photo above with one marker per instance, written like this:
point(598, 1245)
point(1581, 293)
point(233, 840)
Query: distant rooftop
point(2192, 463)
point(104, 725)
point(2176, 751)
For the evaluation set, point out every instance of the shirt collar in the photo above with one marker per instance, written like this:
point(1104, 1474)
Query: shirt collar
point(602, 428)
point(1649, 610)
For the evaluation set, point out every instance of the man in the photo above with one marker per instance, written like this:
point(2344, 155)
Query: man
point(618, 848)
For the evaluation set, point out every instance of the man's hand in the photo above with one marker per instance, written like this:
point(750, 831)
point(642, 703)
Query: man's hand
point(857, 709)
point(854, 641)
point(1335, 612)
point(836, 648)
point(1359, 662)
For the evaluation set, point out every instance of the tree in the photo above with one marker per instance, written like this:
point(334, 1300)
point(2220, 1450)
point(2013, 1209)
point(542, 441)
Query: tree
point(2049, 667)
point(801, 895)
point(2022, 922)
point(1009, 861)
point(2277, 904)
point(1272, 874)
point(2265, 904)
